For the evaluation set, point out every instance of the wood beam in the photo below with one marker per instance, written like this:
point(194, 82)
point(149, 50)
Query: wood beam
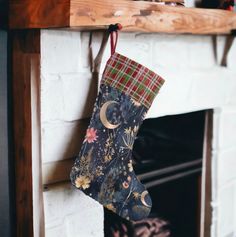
point(150, 17)
point(140, 16)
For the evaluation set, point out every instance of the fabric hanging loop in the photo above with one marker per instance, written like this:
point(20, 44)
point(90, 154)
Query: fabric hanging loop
point(113, 30)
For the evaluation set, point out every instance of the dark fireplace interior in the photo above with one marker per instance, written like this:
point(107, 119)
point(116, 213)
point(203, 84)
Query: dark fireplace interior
point(168, 160)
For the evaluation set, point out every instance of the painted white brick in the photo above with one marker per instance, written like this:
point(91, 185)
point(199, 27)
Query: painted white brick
point(231, 57)
point(171, 51)
point(45, 77)
point(193, 82)
point(60, 51)
point(216, 126)
point(186, 51)
point(84, 62)
point(69, 97)
point(136, 47)
point(214, 229)
point(230, 235)
point(203, 92)
point(226, 211)
point(67, 210)
point(231, 96)
point(62, 140)
point(188, 90)
point(234, 209)
point(174, 94)
point(227, 128)
point(51, 99)
point(201, 55)
point(176, 51)
point(56, 231)
point(76, 227)
point(79, 94)
point(227, 166)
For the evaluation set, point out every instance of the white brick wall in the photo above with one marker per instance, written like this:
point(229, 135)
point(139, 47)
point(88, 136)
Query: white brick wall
point(193, 82)
point(65, 100)
point(69, 212)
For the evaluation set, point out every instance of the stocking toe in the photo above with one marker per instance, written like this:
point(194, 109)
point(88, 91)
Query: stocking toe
point(138, 205)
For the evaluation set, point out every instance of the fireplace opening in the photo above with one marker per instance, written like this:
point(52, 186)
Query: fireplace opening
point(168, 159)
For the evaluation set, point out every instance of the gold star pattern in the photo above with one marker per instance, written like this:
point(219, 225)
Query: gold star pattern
point(136, 195)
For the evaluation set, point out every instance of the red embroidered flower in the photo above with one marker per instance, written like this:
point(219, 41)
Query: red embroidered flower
point(125, 184)
point(91, 135)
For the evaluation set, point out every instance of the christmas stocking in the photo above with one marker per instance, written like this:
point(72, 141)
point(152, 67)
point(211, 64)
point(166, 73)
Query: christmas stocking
point(103, 169)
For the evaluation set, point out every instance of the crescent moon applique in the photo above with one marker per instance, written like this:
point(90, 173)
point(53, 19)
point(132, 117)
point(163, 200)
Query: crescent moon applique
point(143, 195)
point(103, 116)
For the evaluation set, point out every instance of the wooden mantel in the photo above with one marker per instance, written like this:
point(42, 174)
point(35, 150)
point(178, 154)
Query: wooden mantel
point(141, 16)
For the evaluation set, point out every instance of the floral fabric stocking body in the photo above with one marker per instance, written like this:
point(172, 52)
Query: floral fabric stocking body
point(103, 169)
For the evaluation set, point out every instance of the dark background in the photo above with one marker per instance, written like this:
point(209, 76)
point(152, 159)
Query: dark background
point(4, 162)
point(6, 167)
point(5, 200)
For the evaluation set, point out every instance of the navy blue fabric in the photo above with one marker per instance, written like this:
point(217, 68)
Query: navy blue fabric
point(103, 169)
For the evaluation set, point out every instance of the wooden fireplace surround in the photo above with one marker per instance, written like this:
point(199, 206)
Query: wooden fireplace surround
point(140, 16)
point(26, 18)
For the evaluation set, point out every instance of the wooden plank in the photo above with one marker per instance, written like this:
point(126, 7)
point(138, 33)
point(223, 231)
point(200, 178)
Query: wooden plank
point(151, 17)
point(39, 13)
point(206, 209)
point(199, 204)
point(140, 16)
point(25, 48)
point(22, 137)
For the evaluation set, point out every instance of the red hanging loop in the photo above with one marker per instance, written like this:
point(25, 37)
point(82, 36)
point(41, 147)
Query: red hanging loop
point(113, 30)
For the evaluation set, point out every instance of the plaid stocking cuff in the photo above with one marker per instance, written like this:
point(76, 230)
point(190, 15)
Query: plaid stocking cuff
point(132, 78)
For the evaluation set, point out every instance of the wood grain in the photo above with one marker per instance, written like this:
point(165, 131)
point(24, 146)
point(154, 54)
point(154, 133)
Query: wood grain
point(38, 13)
point(150, 17)
point(139, 16)
point(25, 49)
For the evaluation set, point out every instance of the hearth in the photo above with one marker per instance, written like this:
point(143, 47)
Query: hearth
point(168, 157)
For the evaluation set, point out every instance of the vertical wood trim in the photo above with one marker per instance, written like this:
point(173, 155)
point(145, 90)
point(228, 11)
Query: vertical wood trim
point(199, 204)
point(38, 210)
point(25, 45)
point(206, 209)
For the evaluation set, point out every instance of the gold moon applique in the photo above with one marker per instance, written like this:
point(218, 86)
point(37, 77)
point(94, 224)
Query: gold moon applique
point(143, 195)
point(103, 116)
